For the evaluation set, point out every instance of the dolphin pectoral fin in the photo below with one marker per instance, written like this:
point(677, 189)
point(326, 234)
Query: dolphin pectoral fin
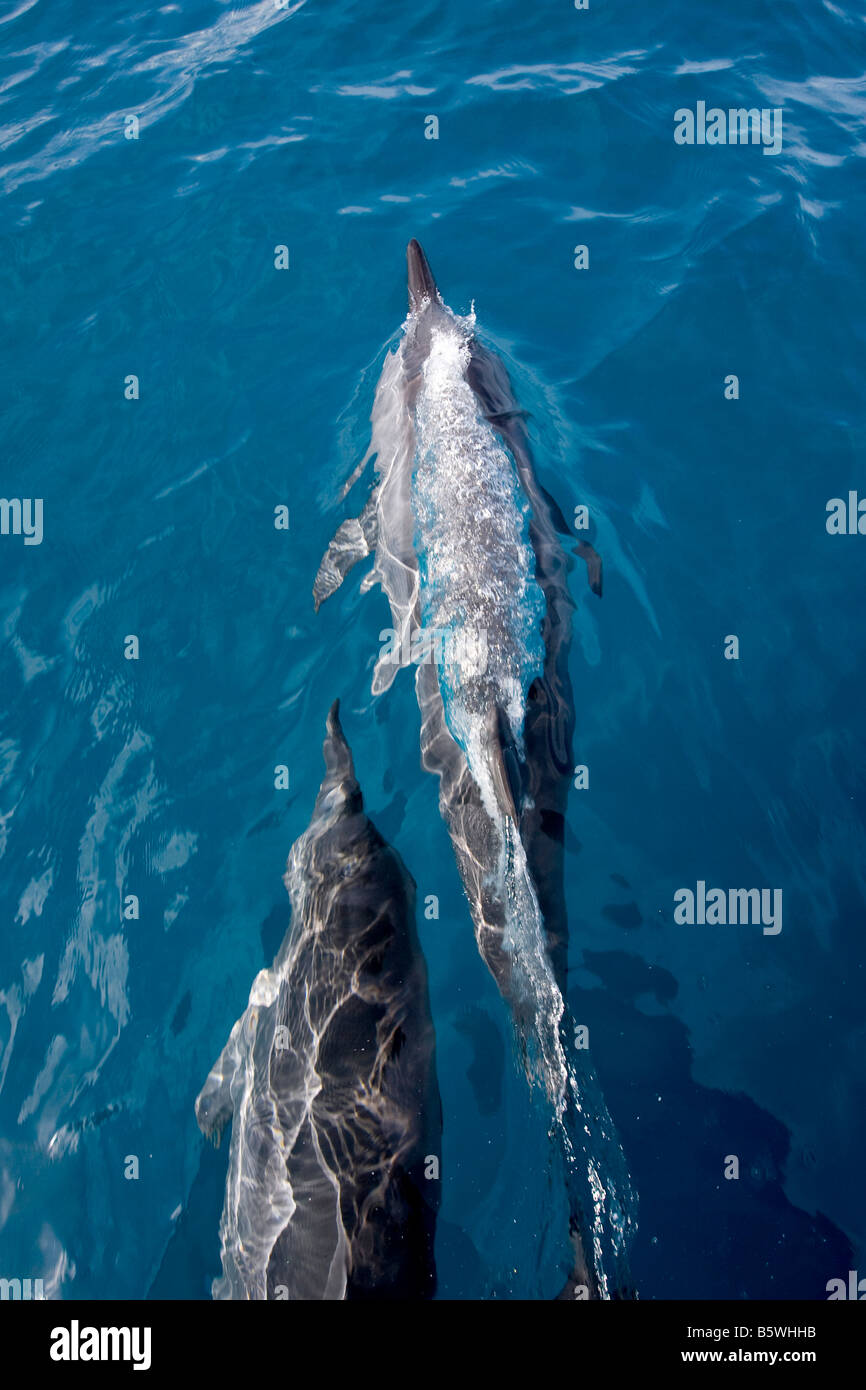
point(496, 415)
point(214, 1104)
point(593, 565)
point(556, 515)
point(355, 475)
point(504, 763)
point(354, 539)
point(345, 550)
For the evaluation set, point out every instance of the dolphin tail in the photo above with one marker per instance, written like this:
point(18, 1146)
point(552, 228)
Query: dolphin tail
point(580, 1284)
point(504, 763)
point(593, 565)
point(354, 539)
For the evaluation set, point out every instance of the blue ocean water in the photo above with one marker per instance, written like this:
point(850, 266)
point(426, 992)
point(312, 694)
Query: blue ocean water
point(154, 257)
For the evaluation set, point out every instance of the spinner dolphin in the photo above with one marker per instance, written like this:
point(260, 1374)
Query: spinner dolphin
point(329, 1074)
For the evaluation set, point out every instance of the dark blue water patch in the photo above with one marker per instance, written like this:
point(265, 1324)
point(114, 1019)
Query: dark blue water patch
point(459, 1266)
point(191, 1260)
point(625, 915)
point(486, 1066)
point(181, 1014)
point(699, 1233)
point(273, 930)
point(389, 820)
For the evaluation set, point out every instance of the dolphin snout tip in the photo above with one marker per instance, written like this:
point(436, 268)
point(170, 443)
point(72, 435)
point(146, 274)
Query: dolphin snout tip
point(422, 285)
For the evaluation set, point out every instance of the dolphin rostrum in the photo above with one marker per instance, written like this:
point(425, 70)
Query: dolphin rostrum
point(468, 551)
point(332, 1187)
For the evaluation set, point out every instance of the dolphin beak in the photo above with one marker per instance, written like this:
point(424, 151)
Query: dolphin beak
point(422, 285)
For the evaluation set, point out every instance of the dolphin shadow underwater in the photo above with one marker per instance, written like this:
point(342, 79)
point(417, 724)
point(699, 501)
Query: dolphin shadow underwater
point(330, 1078)
point(468, 549)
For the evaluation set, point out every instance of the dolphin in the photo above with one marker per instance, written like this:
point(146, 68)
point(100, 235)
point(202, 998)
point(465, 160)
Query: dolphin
point(468, 548)
point(332, 1188)
point(505, 526)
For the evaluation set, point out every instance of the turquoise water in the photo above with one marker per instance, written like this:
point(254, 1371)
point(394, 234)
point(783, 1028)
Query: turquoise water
point(155, 258)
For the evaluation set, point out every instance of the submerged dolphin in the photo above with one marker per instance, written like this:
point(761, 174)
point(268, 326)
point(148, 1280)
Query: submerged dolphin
point(467, 549)
point(330, 1075)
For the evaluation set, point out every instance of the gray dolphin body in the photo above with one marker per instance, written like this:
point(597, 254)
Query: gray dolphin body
point(330, 1076)
point(508, 534)
point(465, 537)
